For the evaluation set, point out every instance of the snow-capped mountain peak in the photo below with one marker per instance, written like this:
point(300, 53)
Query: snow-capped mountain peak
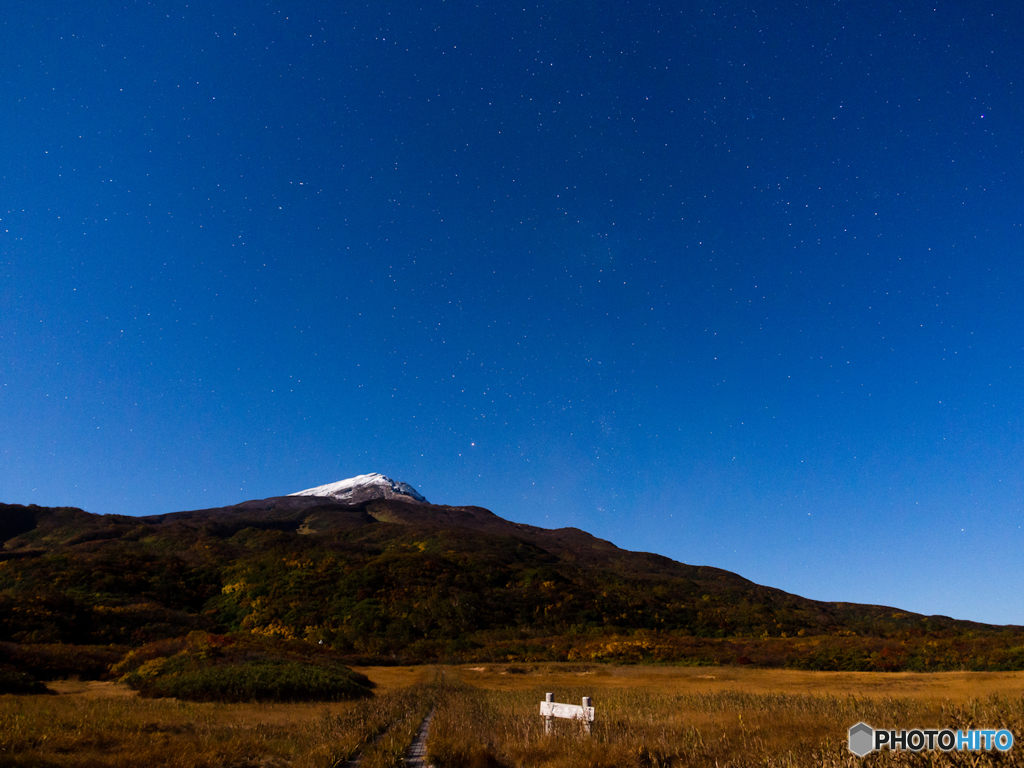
point(364, 488)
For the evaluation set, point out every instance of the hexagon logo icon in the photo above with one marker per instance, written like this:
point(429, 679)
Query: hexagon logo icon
point(862, 737)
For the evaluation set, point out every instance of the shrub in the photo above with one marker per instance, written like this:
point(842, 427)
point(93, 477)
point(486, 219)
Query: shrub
point(204, 667)
point(14, 681)
point(52, 661)
point(249, 681)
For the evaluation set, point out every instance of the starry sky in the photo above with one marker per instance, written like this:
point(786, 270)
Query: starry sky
point(737, 282)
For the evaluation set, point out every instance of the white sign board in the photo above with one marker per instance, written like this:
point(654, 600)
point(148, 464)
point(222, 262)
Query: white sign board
point(569, 711)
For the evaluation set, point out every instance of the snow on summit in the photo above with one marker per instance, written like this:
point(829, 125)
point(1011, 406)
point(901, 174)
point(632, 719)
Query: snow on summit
point(365, 487)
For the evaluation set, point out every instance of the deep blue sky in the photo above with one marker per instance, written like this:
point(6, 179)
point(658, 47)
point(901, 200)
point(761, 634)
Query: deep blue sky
point(735, 282)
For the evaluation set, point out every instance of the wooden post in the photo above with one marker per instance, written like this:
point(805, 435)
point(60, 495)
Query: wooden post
point(586, 722)
point(550, 719)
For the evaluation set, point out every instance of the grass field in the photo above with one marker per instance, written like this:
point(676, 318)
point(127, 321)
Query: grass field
point(106, 724)
point(488, 716)
point(934, 686)
point(659, 716)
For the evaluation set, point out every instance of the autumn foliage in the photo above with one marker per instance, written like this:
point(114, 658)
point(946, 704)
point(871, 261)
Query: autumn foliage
point(386, 581)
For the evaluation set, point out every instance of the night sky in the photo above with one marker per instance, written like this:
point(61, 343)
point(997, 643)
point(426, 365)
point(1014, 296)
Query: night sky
point(735, 282)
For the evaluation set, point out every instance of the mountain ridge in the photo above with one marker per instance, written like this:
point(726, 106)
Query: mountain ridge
point(394, 578)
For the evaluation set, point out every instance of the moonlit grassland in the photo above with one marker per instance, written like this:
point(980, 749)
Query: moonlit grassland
point(488, 716)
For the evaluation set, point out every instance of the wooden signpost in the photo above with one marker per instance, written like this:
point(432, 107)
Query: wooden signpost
point(549, 710)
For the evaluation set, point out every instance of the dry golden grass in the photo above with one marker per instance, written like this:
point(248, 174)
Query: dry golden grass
point(640, 727)
point(98, 725)
point(390, 748)
point(389, 678)
point(123, 731)
point(933, 686)
point(379, 729)
point(91, 689)
point(488, 715)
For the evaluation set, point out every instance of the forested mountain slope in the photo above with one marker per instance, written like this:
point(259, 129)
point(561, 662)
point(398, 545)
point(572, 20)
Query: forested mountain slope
point(387, 578)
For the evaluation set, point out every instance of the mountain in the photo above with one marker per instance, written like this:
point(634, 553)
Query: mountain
point(365, 488)
point(369, 568)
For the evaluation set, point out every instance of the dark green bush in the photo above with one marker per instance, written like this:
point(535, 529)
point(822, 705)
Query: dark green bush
point(54, 661)
point(205, 667)
point(14, 681)
point(254, 681)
